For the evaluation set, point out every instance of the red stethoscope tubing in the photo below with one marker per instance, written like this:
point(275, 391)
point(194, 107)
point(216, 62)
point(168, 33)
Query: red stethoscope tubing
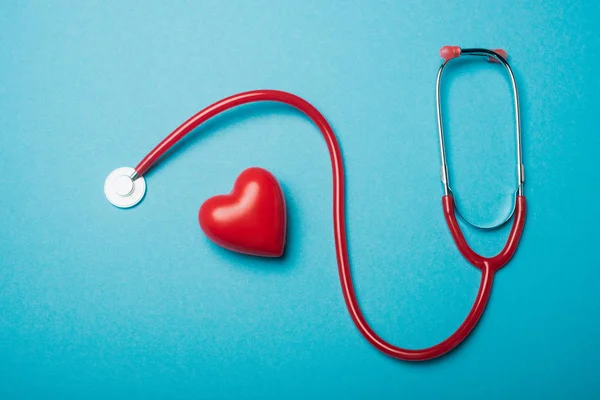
point(488, 266)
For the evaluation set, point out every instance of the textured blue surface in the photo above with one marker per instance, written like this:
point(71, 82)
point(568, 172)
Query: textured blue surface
point(97, 302)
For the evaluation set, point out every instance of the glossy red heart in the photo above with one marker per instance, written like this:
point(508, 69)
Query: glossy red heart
point(251, 219)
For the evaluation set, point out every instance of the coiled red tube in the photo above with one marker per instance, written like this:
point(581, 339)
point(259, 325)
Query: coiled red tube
point(339, 222)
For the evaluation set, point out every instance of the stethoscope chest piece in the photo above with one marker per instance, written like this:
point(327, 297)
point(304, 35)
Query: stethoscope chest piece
point(122, 190)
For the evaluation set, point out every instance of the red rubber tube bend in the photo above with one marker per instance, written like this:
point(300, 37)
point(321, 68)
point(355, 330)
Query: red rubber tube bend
point(339, 222)
point(483, 263)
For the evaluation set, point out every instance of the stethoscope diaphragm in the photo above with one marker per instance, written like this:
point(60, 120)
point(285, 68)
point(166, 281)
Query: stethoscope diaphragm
point(122, 190)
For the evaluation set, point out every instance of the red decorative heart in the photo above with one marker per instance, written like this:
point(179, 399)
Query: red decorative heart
point(251, 219)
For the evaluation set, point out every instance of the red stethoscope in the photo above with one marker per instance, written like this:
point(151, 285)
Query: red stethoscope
point(125, 187)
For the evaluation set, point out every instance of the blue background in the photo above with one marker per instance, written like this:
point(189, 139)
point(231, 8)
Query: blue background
point(97, 302)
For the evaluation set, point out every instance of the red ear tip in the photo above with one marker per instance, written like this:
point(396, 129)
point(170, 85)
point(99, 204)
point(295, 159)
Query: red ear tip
point(501, 52)
point(449, 52)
